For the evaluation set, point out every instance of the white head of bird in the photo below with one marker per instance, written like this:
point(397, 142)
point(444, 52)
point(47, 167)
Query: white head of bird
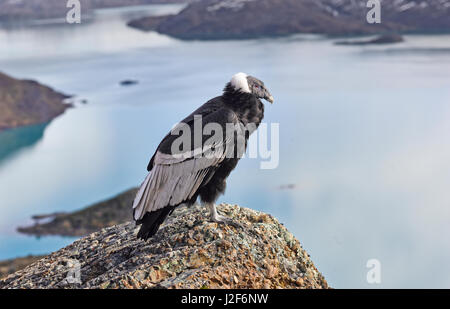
point(248, 84)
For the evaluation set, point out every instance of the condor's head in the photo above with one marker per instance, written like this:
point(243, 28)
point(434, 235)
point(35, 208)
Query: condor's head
point(244, 83)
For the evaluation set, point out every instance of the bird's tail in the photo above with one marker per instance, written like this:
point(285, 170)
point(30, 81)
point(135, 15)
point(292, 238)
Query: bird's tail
point(148, 218)
point(151, 222)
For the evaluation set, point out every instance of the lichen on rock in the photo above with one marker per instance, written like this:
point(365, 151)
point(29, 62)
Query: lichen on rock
point(187, 252)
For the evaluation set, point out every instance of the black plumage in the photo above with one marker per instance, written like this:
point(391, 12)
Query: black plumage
point(173, 181)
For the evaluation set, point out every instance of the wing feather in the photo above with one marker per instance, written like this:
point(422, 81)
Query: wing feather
point(175, 179)
point(172, 182)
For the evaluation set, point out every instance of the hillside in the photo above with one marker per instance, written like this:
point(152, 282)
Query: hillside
point(187, 252)
point(26, 102)
point(240, 19)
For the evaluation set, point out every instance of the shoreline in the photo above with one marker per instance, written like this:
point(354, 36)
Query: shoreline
point(109, 212)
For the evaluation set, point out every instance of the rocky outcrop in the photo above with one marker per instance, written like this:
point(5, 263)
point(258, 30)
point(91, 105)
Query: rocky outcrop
point(187, 252)
point(87, 220)
point(26, 102)
point(241, 19)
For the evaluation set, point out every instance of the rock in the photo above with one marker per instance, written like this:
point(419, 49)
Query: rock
point(263, 254)
point(242, 19)
point(88, 220)
point(26, 102)
point(128, 82)
point(383, 39)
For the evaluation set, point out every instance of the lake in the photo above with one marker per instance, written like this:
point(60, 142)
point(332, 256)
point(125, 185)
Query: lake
point(364, 169)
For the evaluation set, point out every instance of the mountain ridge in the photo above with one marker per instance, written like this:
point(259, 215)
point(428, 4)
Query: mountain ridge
point(244, 19)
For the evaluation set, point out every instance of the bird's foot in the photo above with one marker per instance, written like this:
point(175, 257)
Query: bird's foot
point(226, 220)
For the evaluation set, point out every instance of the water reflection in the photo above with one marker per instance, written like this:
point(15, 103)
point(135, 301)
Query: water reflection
point(14, 140)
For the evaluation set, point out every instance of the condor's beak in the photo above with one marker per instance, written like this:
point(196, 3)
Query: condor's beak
point(267, 96)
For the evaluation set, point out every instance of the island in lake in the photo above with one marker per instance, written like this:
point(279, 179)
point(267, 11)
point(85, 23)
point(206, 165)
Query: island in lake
point(26, 102)
point(90, 219)
point(243, 19)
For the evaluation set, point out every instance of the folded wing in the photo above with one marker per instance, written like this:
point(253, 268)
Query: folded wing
point(176, 179)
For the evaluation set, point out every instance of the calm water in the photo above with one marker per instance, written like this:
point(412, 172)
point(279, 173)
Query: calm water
point(364, 136)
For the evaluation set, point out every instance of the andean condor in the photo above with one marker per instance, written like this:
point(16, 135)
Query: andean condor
point(197, 156)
